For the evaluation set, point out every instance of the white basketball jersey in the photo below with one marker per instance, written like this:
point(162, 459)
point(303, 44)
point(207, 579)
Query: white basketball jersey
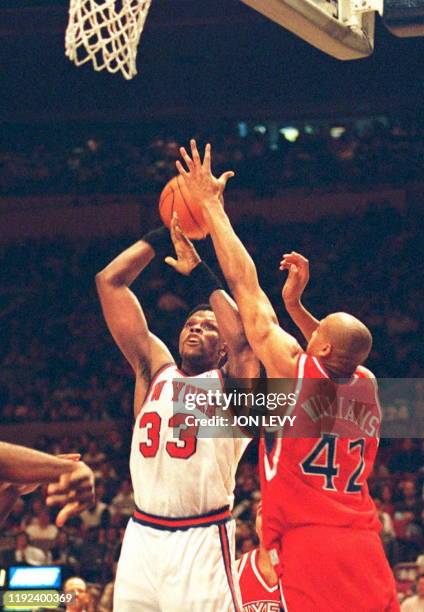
point(175, 474)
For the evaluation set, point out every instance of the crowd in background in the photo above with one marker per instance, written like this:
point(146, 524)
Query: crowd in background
point(266, 156)
point(88, 546)
point(58, 362)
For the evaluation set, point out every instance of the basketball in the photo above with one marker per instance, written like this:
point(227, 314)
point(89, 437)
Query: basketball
point(175, 197)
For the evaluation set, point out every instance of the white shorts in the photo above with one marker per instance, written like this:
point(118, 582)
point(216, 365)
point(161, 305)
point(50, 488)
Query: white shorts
point(177, 571)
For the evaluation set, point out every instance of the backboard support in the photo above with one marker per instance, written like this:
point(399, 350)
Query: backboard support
point(336, 27)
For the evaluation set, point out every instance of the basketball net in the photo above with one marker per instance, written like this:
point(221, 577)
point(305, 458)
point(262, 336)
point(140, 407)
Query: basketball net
point(106, 33)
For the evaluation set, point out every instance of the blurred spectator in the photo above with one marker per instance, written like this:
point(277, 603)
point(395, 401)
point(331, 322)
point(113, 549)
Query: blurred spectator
point(82, 601)
point(42, 531)
point(138, 160)
point(26, 553)
point(416, 602)
point(123, 502)
point(97, 515)
point(407, 459)
point(387, 534)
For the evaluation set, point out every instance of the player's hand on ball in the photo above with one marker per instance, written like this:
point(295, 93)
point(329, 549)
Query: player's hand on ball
point(297, 279)
point(203, 185)
point(187, 256)
point(74, 492)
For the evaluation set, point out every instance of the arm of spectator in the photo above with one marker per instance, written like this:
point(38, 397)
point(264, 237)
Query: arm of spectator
point(241, 361)
point(297, 279)
point(124, 315)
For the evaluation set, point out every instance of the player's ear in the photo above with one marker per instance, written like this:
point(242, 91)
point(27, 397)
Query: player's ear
point(222, 354)
point(325, 350)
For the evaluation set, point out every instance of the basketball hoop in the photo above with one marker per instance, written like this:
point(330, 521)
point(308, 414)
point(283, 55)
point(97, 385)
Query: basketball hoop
point(106, 33)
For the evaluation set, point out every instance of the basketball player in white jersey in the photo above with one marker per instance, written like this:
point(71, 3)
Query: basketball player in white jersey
point(178, 550)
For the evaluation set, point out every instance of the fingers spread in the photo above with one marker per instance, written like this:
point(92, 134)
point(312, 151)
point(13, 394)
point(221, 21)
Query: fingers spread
point(67, 512)
point(195, 153)
point(186, 157)
point(171, 262)
point(207, 158)
point(181, 168)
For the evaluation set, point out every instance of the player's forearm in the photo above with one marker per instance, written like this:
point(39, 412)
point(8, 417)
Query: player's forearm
point(125, 268)
point(229, 321)
point(21, 465)
point(235, 262)
point(304, 320)
point(8, 497)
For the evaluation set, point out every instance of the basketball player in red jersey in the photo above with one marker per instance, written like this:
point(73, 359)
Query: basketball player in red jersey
point(178, 550)
point(320, 523)
point(258, 580)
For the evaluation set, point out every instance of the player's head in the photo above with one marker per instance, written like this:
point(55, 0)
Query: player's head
point(342, 340)
point(78, 588)
point(420, 587)
point(200, 344)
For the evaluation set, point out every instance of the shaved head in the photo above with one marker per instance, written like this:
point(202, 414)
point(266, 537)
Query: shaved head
point(343, 341)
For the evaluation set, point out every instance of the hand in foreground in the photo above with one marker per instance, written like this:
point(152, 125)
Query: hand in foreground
point(187, 256)
point(26, 489)
point(297, 279)
point(74, 492)
point(199, 180)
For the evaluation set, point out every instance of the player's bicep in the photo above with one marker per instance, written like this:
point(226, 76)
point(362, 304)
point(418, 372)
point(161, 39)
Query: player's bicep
point(128, 326)
point(276, 348)
point(126, 322)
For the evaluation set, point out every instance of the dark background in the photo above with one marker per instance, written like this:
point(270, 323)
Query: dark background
point(198, 59)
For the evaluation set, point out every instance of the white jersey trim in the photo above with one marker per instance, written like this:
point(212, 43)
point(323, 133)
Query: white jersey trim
point(319, 366)
point(270, 472)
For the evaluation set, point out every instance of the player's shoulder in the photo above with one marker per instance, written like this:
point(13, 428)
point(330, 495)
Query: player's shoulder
point(364, 372)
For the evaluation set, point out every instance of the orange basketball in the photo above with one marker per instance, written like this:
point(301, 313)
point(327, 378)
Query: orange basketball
point(176, 197)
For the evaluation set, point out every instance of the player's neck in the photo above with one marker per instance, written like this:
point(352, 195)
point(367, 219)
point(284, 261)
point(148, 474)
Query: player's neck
point(265, 567)
point(336, 370)
point(194, 369)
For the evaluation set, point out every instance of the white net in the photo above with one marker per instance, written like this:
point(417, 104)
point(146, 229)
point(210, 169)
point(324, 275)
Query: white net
point(106, 33)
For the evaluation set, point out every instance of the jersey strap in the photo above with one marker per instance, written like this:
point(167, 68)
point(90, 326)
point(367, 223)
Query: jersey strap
point(216, 517)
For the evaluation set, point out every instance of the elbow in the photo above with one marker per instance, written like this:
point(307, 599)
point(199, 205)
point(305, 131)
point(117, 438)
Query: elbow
point(100, 279)
point(104, 279)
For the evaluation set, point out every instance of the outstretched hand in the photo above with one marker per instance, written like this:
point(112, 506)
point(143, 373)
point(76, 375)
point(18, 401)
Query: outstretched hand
point(187, 256)
point(199, 180)
point(74, 492)
point(297, 279)
point(26, 489)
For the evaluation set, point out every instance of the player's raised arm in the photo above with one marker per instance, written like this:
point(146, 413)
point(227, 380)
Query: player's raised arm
point(122, 310)
point(297, 279)
point(272, 345)
point(241, 361)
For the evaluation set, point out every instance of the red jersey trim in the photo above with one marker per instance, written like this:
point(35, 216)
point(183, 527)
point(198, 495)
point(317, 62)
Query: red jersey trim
point(180, 523)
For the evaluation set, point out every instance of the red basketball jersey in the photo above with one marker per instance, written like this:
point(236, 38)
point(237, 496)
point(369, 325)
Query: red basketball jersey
point(256, 594)
point(315, 472)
